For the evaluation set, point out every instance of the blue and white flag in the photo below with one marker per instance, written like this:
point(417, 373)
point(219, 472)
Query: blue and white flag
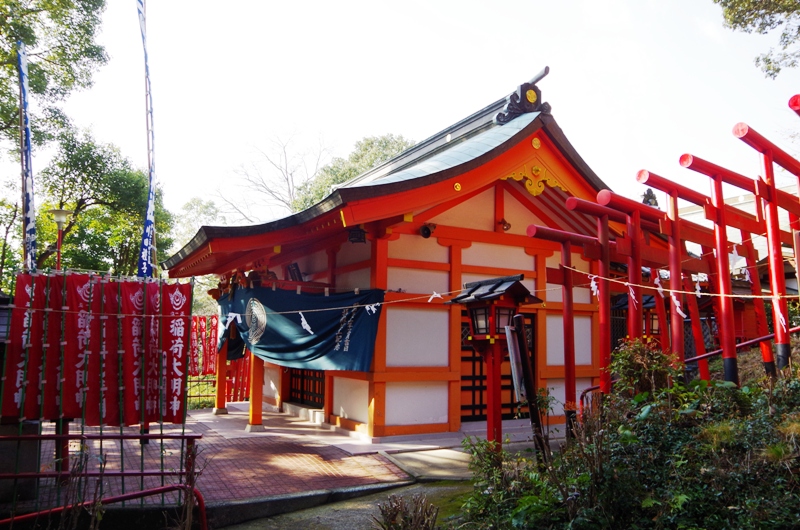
point(147, 250)
point(28, 203)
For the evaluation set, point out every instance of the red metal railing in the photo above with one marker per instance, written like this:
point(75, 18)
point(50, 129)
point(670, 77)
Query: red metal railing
point(185, 472)
point(201, 503)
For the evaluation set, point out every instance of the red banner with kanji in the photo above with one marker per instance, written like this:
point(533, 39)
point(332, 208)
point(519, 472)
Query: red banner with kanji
point(24, 350)
point(55, 316)
point(194, 352)
point(100, 350)
point(81, 393)
point(176, 312)
point(210, 349)
point(132, 327)
point(153, 361)
point(110, 368)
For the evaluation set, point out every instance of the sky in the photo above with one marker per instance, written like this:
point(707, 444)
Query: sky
point(634, 84)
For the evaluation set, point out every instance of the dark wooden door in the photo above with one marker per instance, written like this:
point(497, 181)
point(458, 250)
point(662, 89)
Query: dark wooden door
point(307, 387)
point(473, 378)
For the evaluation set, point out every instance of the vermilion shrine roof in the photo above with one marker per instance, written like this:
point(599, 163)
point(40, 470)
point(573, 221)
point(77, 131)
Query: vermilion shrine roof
point(462, 147)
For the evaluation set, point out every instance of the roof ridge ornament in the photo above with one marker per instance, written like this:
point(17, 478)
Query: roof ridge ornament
point(527, 98)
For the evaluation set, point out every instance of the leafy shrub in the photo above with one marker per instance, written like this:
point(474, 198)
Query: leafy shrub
point(657, 452)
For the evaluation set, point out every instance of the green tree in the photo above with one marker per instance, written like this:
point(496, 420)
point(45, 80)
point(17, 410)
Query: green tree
point(368, 153)
point(108, 238)
point(62, 55)
point(194, 214)
point(108, 198)
point(10, 230)
point(758, 16)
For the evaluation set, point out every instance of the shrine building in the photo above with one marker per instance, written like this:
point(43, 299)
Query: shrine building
point(450, 210)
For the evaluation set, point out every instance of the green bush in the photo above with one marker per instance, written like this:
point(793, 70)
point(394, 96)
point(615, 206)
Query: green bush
point(656, 453)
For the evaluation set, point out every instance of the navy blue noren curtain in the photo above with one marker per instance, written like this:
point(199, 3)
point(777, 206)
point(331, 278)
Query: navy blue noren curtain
point(309, 331)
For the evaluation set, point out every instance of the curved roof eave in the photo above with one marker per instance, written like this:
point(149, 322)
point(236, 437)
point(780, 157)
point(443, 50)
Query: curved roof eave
point(357, 190)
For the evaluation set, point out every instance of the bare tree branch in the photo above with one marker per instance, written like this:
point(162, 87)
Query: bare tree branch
point(274, 179)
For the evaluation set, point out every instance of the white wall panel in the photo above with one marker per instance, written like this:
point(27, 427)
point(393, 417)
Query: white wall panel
point(418, 248)
point(489, 255)
point(416, 403)
point(416, 337)
point(476, 213)
point(555, 340)
point(519, 216)
point(557, 390)
point(353, 253)
point(316, 262)
point(272, 380)
point(351, 280)
point(469, 278)
point(580, 295)
point(583, 340)
point(553, 293)
point(417, 281)
point(351, 399)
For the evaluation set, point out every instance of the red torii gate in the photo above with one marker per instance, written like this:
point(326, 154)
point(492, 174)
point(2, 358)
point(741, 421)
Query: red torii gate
point(766, 189)
point(639, 217)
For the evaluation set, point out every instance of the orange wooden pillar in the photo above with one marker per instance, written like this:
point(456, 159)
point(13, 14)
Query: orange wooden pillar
point(255, 419)
point(222, 380)
point(379, 279)
point(454, 387)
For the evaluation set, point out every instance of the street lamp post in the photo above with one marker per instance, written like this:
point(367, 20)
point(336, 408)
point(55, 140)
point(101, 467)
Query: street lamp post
point(61, 217)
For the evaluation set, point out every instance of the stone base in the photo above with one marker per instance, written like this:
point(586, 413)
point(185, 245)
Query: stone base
point(19, 457)
point(219, 412)
point(254, 428)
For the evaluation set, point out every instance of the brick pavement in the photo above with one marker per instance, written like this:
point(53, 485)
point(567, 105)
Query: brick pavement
point(291, 456)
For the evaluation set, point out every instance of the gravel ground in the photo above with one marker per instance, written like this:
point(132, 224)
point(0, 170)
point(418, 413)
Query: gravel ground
point(358, 513)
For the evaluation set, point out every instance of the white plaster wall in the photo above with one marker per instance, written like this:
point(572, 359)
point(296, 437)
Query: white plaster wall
point(316, 262)
point(519, 216)
point(557, 390)
point(417, 281)
point(416, 337)
point(489, 255)
point(555, 340)
point(351, 399)
point(416, 403)
point(583, 340)
point(469, 278)
point(353, 253)
point(476, 213)
point(272, 380)
point(580, 295)
point(418, 248)
point(351, 280)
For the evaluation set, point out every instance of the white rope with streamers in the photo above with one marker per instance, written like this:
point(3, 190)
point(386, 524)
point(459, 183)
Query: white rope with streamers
point(781, 318)
point(231, 317)
point(677, 304)
point(632, 295)
point(657, 282)
point(593, 286)
point(305, 324)
point(434, 295)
